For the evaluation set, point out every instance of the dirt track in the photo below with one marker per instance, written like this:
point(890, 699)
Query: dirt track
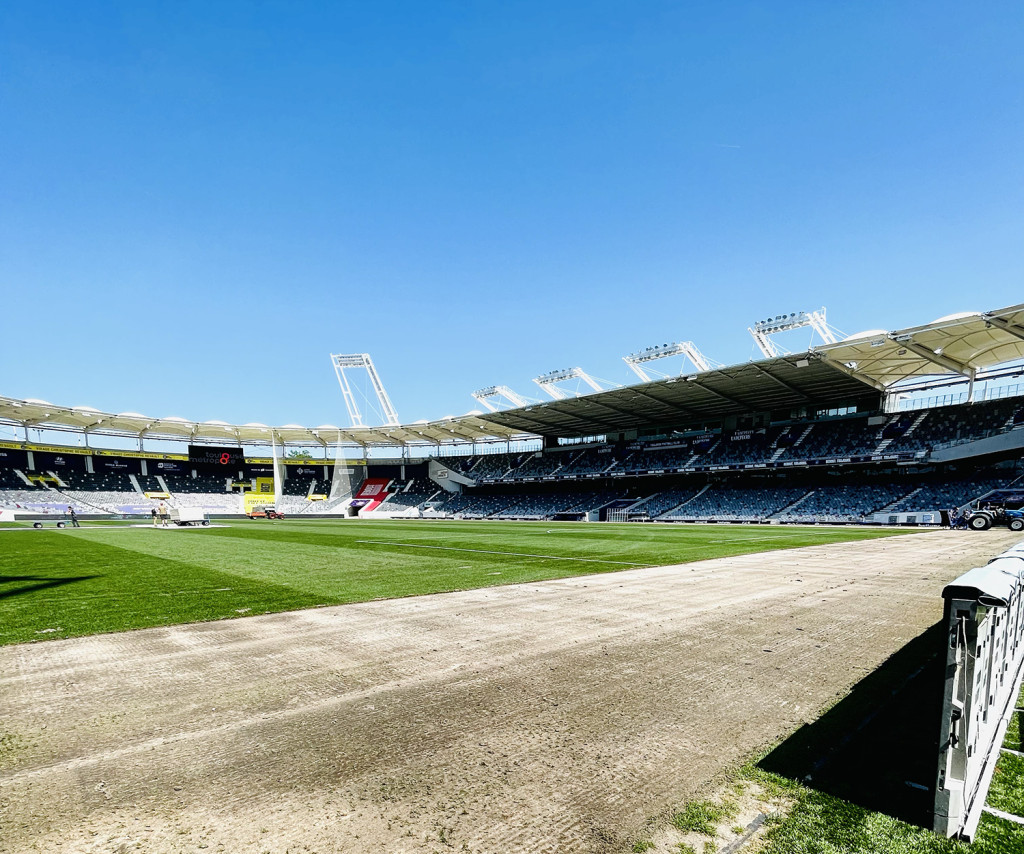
point(549, 717)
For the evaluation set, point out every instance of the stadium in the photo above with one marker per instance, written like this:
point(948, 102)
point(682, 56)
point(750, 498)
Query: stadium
point(881, 427)
point(662, 616)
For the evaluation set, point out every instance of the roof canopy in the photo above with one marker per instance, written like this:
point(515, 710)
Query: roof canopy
point(46, 416)
point(781, 383)
point(959, 344)
point(861, 365)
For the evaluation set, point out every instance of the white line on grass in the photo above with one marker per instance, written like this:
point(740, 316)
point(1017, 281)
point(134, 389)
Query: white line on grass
point(1016, 819)
point(487, 552)
point(111, 527)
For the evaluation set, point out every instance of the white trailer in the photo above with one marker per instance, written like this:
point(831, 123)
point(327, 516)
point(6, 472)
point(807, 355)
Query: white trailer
point(188, 516)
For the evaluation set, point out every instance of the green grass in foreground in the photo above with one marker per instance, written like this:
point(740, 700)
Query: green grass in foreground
point(104, 578)
point(818, 823)
point(813, 822)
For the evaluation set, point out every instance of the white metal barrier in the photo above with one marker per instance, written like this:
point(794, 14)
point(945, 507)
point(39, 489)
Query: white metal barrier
point(984, 615)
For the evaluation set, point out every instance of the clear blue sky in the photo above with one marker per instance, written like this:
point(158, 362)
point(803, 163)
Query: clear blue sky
point(200, 201)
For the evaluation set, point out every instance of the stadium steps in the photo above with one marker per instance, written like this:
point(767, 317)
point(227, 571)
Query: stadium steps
point(640, 501)
point(24, 477)
point(1011, 422)
point(790, 507)
point(60, 482)
point(800, 439)
point(917, 422)
point(693, 460)
point(889, 507)
point(779, 438)
point(135, 484)
point(672, 510)
point(780, 451)
point(70, 499)
point(163, 483)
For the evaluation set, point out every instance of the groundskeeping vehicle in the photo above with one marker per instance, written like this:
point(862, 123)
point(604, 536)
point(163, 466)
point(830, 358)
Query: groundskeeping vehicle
point(267, 512)
point(188, 516)
point(1001, 508)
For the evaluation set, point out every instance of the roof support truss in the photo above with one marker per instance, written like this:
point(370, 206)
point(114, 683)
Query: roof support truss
point(781, 382)
point(852, 372)
point(930, 355)
point(1005, 325)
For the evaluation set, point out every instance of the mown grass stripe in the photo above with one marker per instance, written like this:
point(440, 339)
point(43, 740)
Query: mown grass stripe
point(489, 552)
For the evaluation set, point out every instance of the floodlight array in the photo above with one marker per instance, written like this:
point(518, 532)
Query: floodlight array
point(783, 322)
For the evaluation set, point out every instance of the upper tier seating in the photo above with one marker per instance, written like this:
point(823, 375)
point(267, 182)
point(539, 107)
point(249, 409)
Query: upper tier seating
point(962, 423)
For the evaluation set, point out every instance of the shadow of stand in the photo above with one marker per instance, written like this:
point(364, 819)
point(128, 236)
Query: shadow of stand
point(42, 583)
point(878, 747)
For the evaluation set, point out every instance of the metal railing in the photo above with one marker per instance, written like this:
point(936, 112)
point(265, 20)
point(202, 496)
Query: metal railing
point(984, 615)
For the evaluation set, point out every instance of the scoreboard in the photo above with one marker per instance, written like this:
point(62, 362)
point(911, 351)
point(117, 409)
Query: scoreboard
point(211, 456)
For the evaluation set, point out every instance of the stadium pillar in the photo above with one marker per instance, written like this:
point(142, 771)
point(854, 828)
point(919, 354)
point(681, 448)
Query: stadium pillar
point(278, 472)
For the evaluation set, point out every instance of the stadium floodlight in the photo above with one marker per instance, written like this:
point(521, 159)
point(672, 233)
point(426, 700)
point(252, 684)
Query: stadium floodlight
point(549, 382)
point(761, 330)
point(686, 349)
point(485, 396)
point(362, 361)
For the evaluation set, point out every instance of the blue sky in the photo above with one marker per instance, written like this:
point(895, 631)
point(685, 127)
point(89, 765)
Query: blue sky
point(200, 201)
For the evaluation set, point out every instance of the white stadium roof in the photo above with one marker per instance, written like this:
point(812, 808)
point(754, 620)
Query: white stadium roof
point(867, 362)
point(38, 414)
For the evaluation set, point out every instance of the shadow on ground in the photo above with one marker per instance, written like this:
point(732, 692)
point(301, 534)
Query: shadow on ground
point(43, 583)
point(878, 747)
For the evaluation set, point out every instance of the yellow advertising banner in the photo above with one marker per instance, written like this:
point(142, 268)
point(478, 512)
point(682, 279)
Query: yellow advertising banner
point(265, 486)
point(254, 500)
point(50, 449)
point(141, 455)
point(99, 452)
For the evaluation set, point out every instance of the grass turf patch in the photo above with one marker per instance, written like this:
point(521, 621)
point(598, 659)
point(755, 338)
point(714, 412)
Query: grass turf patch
point(856, 800)
point(821, 824)
point(73, 582)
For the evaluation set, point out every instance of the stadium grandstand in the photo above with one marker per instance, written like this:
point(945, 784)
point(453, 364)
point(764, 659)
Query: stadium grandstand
point(879, 427)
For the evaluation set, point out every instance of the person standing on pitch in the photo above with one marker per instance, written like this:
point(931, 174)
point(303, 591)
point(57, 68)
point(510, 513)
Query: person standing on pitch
point(154, 517)
point(163, 515)
point(74, 517)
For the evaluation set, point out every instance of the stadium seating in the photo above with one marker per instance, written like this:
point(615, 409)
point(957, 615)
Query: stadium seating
point(836, 438)
point(411, 497)
point(662, 502)
point(736, 504)
point(956, 424)
point(657, 459)
point(670, 472)
point(845, 503)
point(589, 461)
point(555, 504)
point(945, 495)
point(538, 465)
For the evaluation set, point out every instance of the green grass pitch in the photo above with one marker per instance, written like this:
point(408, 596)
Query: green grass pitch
point(106, 578)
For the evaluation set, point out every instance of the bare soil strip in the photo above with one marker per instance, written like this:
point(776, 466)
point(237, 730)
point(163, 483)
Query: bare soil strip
point(546, 717)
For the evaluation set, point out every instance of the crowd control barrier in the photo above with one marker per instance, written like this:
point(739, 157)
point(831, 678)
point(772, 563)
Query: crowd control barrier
point(984, 615)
